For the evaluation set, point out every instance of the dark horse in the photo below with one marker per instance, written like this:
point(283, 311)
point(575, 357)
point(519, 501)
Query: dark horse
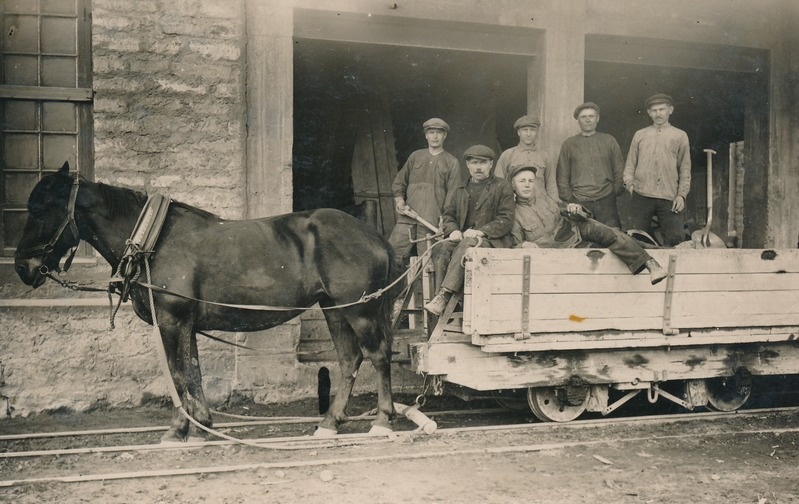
point(292, 260)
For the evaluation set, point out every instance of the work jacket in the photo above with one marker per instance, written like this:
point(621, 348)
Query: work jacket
point(493, 213)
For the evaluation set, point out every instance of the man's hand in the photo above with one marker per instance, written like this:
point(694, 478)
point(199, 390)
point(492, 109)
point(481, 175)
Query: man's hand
point(573, 208)
point(528, 244)
point(473, 233)
point(678, 205)
point(400, 206)
point(456, 236)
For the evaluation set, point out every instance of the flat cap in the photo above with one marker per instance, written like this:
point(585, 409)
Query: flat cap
point(657, 99)
point(527, 120)
point(515, 170)
point(479, 152)
point(436, 123)
point(584, 106)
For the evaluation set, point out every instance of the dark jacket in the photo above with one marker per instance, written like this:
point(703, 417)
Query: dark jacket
point(493, 215)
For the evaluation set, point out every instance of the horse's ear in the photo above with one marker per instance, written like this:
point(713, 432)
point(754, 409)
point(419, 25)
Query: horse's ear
point(64, 169)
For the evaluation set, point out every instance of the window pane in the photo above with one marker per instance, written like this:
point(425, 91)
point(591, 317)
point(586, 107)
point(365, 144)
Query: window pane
point(21, 6)
point(21, 34)
point(19, 115)
point(58, 35)
point(21, 151)
point(18, 187)
point(59, 7)
point(59, 116)
point(13, 223)
point(59, 72)
point(57, 149)
point(21, 70)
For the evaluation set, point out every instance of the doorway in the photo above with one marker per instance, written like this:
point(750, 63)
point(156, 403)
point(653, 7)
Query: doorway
point(359, 107)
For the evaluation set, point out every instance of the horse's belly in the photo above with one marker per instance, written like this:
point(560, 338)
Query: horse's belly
point(224, 319)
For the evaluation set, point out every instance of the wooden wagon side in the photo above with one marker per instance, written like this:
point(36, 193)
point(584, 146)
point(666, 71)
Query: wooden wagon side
point(540, 319)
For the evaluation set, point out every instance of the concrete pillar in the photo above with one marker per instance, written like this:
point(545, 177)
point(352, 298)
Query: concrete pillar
point(270, 95)
point(562, 74)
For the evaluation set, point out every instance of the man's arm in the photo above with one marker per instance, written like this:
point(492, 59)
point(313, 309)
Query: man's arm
point(617, 160)
point(683, 167)
point(502, 222)
point(501, 169)
point(550, 177)
point(564, 173)
point(632, 163)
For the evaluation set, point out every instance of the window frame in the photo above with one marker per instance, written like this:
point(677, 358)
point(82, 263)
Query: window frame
point(82, 96)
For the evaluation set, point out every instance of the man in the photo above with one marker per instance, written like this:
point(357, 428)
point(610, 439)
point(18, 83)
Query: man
point(590, 168)
point(527, 153)
point(478, 214)
point(658, 172)
point(422, 185)
point(540, 222)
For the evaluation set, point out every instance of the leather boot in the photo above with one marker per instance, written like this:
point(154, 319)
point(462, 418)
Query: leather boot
point(656, 271)
point(439, 302)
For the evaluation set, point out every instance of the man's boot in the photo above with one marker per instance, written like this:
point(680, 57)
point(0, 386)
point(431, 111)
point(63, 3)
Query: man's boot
point(656, 271)
point(439, 302)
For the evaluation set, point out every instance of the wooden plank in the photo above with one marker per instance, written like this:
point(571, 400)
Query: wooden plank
point(602, 261)
point(581, 312)
point(637, 339)
point(605, 284)
point(466, 365)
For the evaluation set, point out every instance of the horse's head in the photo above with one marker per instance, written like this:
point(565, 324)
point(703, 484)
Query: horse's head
point(50, 231)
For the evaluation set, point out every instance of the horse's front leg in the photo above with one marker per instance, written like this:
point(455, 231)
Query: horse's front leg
point(180, 346)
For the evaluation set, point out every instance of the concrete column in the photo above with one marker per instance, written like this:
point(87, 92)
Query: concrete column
point(270, 95)
point(561, 81)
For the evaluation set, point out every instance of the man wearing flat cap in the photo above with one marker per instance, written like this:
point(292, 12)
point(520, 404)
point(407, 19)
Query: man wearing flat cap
point(479, 214)
point(422, 185)
point(590, 168)
point(540, 221)
point(527, 153)
point(658, 172)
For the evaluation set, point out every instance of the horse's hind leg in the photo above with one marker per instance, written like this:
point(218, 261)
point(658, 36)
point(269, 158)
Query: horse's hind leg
point(375, 342)
point(349, 359)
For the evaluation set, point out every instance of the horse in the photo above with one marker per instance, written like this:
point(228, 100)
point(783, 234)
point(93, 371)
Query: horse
point(292, 260)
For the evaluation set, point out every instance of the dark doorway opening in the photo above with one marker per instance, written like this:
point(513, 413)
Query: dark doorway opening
point(358, 111)
point(711, 106)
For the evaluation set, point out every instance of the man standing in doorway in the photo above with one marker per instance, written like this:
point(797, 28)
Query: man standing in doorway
point(422, 185)
point(527, 153)
point(590, 168)
point(658, 172)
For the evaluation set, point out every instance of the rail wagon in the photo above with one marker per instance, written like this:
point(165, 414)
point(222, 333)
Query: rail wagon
point(574, 331)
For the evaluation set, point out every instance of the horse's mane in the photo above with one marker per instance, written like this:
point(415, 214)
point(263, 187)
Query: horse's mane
point(120, 200)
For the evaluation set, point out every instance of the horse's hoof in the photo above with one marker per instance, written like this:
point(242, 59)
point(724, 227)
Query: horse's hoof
point(379, 430)
point(171, 437)
point(324, 432)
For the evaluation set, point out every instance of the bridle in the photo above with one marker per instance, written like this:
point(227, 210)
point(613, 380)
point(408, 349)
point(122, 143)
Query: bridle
point(69, 221)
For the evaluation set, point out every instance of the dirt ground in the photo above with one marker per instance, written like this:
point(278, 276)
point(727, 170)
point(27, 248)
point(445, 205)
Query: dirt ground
point(735, 459)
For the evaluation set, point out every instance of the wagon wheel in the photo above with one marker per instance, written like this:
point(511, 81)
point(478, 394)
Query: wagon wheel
point(727, 393)
point(557, 404)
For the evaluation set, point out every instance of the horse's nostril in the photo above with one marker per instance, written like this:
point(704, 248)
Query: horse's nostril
point(20, 269)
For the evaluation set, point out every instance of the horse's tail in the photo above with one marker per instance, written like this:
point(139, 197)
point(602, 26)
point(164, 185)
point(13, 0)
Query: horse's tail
point(386, 301)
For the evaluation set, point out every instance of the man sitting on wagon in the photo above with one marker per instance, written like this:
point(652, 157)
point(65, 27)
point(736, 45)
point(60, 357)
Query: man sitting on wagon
point(541, 221)
point(479, 213)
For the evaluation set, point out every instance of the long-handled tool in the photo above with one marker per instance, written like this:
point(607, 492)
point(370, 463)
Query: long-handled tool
point(704, 236)
point(410, 212)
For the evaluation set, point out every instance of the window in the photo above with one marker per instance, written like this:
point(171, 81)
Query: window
point(46, 100)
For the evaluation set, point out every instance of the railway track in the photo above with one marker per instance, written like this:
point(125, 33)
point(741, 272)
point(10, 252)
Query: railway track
point(26, 460)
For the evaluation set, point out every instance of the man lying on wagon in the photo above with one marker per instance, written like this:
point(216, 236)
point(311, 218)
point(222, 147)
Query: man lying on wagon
point(543, 222)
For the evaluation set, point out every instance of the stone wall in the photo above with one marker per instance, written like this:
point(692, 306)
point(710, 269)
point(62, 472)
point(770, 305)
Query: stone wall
point(169, 99)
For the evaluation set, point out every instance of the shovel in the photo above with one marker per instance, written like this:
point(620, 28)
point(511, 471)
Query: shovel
point(704, 237)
